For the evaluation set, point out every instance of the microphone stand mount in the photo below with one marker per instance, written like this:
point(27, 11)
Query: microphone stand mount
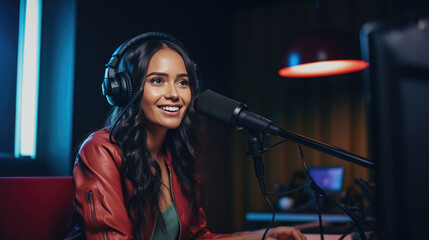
point(256, 150)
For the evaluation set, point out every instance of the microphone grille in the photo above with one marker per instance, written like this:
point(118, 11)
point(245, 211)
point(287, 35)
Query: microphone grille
point(214, 105)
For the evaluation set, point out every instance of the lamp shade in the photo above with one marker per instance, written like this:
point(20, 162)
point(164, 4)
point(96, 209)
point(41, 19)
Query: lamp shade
point(321, 51)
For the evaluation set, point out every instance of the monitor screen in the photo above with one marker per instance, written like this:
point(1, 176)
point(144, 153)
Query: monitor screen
point(397, 95)
point(330, 179)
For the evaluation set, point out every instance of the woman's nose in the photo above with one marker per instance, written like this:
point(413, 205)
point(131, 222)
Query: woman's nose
point(171, 92)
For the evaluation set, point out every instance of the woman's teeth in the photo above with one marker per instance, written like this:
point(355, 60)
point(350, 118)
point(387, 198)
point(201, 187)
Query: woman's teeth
point(170, 109)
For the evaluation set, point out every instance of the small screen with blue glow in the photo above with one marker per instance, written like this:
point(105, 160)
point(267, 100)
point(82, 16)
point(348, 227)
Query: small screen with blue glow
point(330, 179)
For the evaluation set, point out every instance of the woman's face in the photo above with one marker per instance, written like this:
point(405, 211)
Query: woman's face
point(166, 94)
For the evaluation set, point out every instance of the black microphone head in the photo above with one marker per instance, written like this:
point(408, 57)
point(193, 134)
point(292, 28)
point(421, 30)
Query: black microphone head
point(214, 105)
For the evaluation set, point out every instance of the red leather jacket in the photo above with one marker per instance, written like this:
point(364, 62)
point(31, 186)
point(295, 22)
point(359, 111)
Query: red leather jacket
point(100, 201)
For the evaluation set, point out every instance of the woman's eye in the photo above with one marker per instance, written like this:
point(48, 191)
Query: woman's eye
point(184, 83)
point(156, 80)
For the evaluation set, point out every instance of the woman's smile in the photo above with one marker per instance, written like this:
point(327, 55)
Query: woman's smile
point(170, 110)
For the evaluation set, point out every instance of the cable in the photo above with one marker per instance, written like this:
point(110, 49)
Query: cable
point(272, 219)
point(287, 192)
point(317, 192)
point(262, 185)
point(275, 145)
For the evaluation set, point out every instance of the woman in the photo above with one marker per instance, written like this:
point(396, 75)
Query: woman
point(135, 178)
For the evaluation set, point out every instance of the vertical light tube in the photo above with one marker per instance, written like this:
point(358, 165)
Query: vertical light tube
point(27, 90)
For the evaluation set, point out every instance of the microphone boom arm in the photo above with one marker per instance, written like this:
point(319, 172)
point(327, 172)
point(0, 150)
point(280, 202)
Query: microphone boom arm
point(322, 147)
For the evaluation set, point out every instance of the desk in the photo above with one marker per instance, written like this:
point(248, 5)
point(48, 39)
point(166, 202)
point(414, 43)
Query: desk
point(308, 222)
point(299, 217)
point(327, 237)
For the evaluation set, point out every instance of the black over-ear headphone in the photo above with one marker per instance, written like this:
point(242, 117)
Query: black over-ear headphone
point(117, 86)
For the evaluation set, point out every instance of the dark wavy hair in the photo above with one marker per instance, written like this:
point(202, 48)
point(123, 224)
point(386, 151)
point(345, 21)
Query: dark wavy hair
point(138, 166)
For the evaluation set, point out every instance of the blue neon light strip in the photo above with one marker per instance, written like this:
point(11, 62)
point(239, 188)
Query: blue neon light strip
point(27, 88)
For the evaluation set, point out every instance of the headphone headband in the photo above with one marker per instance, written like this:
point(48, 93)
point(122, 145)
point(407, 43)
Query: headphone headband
point(124, 47)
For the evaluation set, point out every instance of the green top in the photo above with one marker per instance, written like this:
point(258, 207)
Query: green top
point(171, 229)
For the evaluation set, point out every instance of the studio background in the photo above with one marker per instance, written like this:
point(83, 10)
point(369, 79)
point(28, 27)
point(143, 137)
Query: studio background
point(237, 46)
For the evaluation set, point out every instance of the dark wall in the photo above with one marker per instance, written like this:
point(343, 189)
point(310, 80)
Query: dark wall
point(9, 26)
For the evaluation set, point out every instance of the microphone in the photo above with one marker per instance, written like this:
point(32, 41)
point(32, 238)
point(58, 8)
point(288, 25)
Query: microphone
point(232, 113)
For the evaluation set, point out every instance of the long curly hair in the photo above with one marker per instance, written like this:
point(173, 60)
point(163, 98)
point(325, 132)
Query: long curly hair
point(138, 166)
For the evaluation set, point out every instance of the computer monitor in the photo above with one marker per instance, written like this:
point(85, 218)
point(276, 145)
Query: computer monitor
point(397, 96)
point(330, 179)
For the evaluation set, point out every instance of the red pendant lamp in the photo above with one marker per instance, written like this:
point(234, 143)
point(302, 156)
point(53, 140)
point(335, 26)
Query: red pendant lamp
point(322, 50)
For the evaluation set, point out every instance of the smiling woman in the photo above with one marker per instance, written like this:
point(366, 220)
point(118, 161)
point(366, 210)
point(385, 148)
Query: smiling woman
point(136, 178)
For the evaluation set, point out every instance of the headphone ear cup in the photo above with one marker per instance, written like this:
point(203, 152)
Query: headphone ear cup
point(118, 90)
point(125, 88)
point(110, 90)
